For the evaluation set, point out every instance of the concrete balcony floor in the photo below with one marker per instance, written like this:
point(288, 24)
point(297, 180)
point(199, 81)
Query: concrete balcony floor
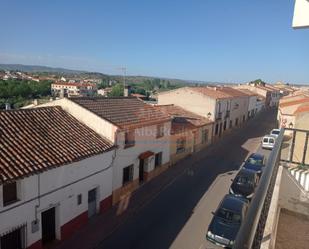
point(293, 231)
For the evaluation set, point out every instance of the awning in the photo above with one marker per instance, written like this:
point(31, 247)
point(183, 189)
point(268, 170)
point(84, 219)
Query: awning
point(146, 154)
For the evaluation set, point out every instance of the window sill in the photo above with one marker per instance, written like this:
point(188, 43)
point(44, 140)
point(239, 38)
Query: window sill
point(126, 183)
point(180, 151)
point(10, 203)
point(126, 146)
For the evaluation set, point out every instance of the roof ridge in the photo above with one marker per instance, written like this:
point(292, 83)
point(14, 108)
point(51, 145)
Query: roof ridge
point(33, 109)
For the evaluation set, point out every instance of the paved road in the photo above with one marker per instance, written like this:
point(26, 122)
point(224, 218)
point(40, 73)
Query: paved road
point(179, 216)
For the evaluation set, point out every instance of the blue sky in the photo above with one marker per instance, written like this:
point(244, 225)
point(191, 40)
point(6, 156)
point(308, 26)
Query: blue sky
point(208, 40)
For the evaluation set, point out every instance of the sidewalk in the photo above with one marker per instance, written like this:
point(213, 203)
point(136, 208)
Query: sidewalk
point(103, 225)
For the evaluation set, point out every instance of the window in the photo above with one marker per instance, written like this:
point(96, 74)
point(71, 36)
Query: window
point(160, 130)
point(204, 136)
point(236, 122)
point(127, 174)
point(181, 145)
point(14, 238)
point(79, 199)
point(229, 215)
point(129, 139)
point(158, 159)
point(217, 129)
point(224, 125)
point(9, 193)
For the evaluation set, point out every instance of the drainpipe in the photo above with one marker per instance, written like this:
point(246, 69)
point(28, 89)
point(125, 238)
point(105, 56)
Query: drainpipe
point(39, 198)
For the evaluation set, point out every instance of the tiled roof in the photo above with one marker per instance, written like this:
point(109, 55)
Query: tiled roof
point(183, 119)
point(211, 92)
point(302, 108)
point(248, 92)
point(35, 140)
point(294, 102)
point(124, 112)
point(270, 87)
point(137, 95)
point(293, 96)
point(232, 92)
point(73, 84)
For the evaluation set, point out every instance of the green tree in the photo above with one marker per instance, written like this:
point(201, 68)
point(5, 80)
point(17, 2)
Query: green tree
point(103, 84)
point(258, 82)
point(117, 91)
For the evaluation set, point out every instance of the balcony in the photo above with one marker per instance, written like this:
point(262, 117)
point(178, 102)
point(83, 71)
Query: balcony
point(227, 114)
point(219, 116)
point(278, 215)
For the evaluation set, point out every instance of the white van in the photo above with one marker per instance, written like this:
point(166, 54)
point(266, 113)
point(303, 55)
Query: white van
point(268, 142)
point(275, 132)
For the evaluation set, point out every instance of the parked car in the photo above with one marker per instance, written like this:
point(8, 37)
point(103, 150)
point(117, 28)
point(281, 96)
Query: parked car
point(245, 183)
point(268, 142)
point(275, 132)
point(255, 162)
point(226, 221)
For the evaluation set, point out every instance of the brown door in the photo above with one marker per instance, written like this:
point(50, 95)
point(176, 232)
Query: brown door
point(48, 226)
point(141, 170)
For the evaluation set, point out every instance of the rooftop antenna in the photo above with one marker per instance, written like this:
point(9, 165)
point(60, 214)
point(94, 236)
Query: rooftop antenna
point(124, 71)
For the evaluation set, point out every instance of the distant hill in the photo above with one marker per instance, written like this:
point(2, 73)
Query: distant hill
point(85, 74)
point(38, 69)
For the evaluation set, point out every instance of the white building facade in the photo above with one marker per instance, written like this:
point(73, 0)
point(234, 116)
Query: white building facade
point(140, 154)
point(50, 185)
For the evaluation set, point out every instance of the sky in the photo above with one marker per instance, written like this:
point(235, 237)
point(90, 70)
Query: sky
point(206, 40)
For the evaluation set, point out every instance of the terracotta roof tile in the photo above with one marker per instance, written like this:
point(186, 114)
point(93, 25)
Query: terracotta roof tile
point(212, 92)
point(183, 119)
point(232, 92)
point(73, 84)
point(302, 108)
point(137, 95)
point(248, 92)
point(124, 112)
point(295, 102)
point(34, 140)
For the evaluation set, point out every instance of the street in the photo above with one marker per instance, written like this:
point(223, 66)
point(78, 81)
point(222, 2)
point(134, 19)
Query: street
point(178, 217)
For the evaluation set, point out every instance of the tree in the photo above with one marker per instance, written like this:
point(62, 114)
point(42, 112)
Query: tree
point(117, 91)
point(258, 82)
point(21, 92)
point(103, 84)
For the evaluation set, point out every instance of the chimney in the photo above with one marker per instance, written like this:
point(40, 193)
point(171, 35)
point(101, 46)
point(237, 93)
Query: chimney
point(127, 91)
point(7, 106)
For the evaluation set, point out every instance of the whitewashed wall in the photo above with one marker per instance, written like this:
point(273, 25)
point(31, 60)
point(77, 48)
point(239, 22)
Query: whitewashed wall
point(61, 193)
point(190, 100)
point(145, 140)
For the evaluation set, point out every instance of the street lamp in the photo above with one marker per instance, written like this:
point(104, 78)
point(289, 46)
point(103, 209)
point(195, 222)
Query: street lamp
point(290, 125)
point(208, 115)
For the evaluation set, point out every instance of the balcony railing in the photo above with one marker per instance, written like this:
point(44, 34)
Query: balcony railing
point(219, 116)
point(291, 147)
point(227, 114)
